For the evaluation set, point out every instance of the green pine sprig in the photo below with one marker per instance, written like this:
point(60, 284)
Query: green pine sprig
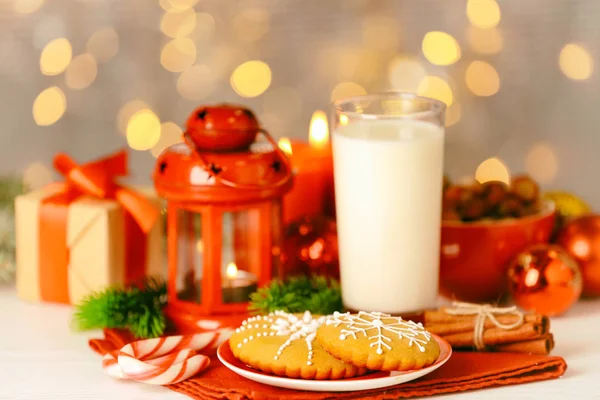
point(140, 310)
point(319, 295)
point(10, 187)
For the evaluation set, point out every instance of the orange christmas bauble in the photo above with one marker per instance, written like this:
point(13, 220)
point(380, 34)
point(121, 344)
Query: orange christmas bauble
point(311, 248)
point(581, 238)
point(544, 279)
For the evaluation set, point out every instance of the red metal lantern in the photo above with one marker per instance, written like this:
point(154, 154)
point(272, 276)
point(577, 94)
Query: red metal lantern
point(223, 188)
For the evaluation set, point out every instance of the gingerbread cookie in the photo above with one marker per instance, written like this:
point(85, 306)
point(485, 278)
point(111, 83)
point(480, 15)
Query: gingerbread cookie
point(378, 341)
point(284, 344)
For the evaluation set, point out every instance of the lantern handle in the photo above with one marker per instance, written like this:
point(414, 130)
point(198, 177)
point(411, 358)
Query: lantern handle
point(283, 158)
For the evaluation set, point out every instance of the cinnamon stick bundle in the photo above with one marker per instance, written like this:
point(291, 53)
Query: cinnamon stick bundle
point(441, 323)
point(494, 336)
point(532, 336)
point(541, 346)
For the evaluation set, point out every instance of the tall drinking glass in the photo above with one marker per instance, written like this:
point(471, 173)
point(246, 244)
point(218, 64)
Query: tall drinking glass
point(388, 152)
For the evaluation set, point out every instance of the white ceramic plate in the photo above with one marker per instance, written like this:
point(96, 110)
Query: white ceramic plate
point(374, 380)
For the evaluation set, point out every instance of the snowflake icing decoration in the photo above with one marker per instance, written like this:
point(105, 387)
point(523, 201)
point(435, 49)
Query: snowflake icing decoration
point(373, 324)
point(280, 323)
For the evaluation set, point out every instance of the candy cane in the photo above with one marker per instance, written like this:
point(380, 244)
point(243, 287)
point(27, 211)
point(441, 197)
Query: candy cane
point(165, 360)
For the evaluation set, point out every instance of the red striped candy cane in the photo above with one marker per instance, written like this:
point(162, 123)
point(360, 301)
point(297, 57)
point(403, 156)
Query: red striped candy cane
point(165, 360)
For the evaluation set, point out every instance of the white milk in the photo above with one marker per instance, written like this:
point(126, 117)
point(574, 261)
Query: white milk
point(388, 190)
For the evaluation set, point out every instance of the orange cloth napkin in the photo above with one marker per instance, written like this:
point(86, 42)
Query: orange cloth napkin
point(464, 371)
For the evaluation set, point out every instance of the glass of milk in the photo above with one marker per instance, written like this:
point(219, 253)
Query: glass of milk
point(388, 152)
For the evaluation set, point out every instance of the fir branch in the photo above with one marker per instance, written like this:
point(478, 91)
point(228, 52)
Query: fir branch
point(133, 308)
point(10, 187)
point(319, 295)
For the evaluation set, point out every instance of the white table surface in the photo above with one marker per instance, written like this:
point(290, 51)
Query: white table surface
point(40, 358)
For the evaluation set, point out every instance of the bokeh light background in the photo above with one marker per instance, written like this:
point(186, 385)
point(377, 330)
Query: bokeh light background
point(91, 76)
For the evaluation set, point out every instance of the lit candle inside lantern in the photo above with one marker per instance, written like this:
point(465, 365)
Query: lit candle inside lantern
point(312, 166)
point(231, 272)
point(237, 284)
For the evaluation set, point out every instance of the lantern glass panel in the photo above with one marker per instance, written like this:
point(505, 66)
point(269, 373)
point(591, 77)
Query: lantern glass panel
point(190, 256)
point(241, 254)
point(276, 240)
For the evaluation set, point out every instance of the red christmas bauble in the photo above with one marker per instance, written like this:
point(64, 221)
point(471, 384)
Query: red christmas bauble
point(544, 279)
point(581, 238)
point(224, 127)
point(311, 248)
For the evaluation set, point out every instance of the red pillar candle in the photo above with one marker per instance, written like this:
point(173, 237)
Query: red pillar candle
point(312, 166)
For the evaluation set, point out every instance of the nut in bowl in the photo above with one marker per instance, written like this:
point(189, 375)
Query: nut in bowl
point(484, 227)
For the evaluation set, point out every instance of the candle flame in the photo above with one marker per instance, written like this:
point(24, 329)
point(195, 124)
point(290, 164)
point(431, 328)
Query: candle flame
point(285, 145)
point(318, 136)
point(231, 271)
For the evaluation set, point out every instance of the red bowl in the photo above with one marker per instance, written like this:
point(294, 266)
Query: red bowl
point(474, 257)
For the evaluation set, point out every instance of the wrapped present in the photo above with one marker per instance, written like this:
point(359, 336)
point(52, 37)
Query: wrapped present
point(85, 233)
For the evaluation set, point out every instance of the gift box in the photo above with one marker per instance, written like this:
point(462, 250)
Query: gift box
point(86, 233)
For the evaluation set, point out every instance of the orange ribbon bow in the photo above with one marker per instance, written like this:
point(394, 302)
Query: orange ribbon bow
point(96, 179)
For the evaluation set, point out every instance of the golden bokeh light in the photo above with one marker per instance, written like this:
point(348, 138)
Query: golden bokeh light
point(380, 32)
point(205, 27)
point(483, 14)
point(492, 169)
point(196, 83)
point(406, 73)
point(453, 114)
point(284, 101)
point(177, 5)
point(56, 56)
point(49, 106)
point(482, 79)
point(36, 176)
point(165, 5)
point(143, 130)
point(542, 163)
point(252, 24)
point(170, 133)
point(251, 78)
point(347, 89)
point(485, 41)
point(436, 88)
point(285, 145)
point(344, 120)
point(576, 62)
point(81, 72)
point(178, 55)
point(318, 135)
point(103, 44)
point(27, 6)
point(440, 48)
point(127, 111)
point(176, 24)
